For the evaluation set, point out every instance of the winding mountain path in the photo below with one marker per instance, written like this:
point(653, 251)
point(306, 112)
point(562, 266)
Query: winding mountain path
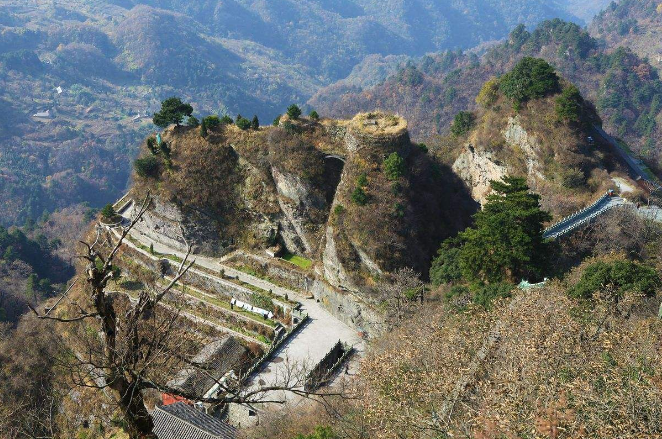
point(304, 349)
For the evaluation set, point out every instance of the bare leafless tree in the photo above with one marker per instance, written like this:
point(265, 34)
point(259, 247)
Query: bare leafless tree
point(400, 293)
point(127, 346)
point(622, 230)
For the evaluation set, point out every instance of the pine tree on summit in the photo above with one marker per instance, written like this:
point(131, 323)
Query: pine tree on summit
point(173, 110)
point(293, 111)
point(203, 128)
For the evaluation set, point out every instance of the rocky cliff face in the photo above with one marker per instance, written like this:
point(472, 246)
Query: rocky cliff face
point(477, 169)
point(295, 185)
point(478, 166)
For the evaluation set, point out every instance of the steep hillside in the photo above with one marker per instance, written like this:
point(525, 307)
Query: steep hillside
point(534, 141)
point(633, 24)
point(355, 195)
point(624, 88)
point(30, 271)
point(102, 67)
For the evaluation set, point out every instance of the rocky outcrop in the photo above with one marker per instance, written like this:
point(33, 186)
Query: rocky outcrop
point(477, 169)
point(296, 200)
point(246, 190)
point(477, 165)
point(350, 308)
point(165, 222)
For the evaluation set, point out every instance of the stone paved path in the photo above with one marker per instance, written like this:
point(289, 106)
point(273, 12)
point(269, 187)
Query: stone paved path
point(305, 348)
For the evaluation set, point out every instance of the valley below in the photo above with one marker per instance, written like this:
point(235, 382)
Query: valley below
point(330, 219)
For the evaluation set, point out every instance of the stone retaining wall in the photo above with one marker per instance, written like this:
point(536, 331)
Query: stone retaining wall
point(348, 308)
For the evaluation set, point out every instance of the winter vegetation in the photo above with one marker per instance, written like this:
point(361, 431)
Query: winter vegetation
point(373, 264)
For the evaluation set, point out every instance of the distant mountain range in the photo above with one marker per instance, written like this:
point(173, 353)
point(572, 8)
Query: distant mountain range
point(96, 70)
point(625, 88)
point(634, 24)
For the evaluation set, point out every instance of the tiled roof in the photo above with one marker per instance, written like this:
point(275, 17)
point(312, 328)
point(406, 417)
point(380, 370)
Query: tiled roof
point(181, 421)
point(215, 360)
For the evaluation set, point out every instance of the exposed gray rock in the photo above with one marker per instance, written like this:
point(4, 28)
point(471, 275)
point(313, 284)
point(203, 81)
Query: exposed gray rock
point(371, 265)
point(296, 199)
point(166, 223)
point(477, 169)
point(349, 308)
point(334, 271)
point(477, 166)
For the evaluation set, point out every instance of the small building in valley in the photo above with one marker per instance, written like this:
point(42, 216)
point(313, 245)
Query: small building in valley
point(183, 421)
point(217, 362)
point(42, 114)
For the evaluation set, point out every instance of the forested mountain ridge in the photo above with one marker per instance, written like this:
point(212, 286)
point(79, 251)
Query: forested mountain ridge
point(101, 67)
point(633, 24)
point(625, 88)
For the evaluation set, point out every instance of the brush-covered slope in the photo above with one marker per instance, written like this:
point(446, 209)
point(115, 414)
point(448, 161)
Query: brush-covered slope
point(538, 140)
point(625, 89)
point(540, 365)
point(324, 189)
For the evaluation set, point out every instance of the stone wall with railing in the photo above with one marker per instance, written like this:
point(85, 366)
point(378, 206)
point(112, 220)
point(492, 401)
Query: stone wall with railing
point(323, 371)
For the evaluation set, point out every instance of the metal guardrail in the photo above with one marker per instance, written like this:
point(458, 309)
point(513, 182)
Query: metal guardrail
point(551, 232)
point(573, 226)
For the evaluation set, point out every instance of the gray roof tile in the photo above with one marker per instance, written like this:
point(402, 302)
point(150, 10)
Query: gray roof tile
point(216, 359)
point(182, 421)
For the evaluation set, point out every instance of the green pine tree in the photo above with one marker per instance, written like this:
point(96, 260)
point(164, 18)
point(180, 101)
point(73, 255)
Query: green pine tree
point(173, 110)
point(506, 241)
point(394, 166)
point(32, 287)
point(293, 111)
point(108, 212)
point(203, 128)
point(569, 104)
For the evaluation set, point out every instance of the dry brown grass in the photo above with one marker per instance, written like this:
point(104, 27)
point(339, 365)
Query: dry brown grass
point(559, 370)
point(378, 123)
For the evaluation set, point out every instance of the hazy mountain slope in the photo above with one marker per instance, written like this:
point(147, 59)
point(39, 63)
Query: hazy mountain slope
point(110, 71)
point(635, 24)
point(586, 9)
point(624, 88)
point(332, 36)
